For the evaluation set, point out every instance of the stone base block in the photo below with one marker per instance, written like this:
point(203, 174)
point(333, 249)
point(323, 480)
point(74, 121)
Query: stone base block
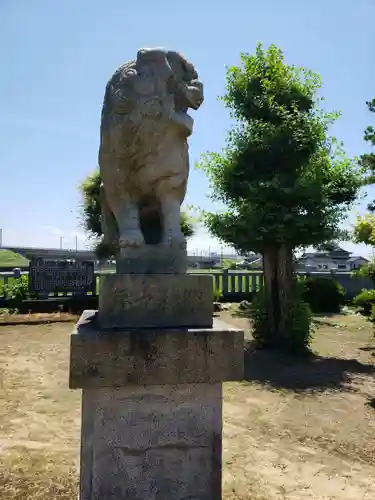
point(153, 259)
point(155, 300)
point(153, 442)
point(115, 358)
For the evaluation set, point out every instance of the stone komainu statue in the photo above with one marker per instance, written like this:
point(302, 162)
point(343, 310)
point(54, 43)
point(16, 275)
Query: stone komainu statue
point(143, 155)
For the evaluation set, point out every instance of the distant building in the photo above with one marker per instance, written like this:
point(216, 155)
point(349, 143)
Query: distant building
point(339, 259)
point(357, 261)
point(253, 261)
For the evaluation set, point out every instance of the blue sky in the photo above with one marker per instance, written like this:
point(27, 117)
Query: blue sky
point(56, 58)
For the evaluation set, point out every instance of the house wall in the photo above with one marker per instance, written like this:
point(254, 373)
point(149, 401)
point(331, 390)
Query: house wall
point(358, 263)
point(327, 263)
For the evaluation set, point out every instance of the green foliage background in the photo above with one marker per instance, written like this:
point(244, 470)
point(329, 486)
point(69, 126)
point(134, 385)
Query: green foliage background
point(281, 177)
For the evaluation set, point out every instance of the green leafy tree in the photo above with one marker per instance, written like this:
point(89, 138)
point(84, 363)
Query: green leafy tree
point(364, 232)
point(364, 227)
point(333, 245)
point(367, 160)
point(329, 246)
point(91, 213)
point(286, 184)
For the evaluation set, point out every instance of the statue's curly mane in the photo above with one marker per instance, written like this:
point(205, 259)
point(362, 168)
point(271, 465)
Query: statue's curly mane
point(135, 115)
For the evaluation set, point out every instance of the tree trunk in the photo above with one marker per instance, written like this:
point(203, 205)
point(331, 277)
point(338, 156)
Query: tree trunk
point(278, 282)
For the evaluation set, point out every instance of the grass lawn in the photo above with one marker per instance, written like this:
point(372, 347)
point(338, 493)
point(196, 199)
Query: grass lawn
point(11, 259)
point(292, 430)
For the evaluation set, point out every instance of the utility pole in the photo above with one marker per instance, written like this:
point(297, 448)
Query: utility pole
point(76, 243)
point(61, 242)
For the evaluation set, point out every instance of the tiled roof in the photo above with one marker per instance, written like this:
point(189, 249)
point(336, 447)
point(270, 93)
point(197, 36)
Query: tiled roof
point(319, 255)
point(356, 257)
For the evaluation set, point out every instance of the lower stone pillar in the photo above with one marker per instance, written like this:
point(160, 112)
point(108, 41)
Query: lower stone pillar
point(152, 442)
point(152, 408)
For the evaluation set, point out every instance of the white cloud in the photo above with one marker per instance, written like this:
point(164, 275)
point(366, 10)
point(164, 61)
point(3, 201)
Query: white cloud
point(45, 237)
point(52, 229)
point(202, 241)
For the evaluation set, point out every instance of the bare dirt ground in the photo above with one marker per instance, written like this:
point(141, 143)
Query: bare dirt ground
point(292, 430)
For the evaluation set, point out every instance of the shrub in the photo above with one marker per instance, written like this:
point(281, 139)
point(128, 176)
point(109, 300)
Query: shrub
point(365, 300)
point(5, 311)
point(367, 271)
point(229, 264)
point(16, 291)
point(300, 335)
point(372, 314)
point(324, 295)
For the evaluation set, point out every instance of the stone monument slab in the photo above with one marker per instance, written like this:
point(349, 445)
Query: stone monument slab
point(155, 300)
point(153, 259)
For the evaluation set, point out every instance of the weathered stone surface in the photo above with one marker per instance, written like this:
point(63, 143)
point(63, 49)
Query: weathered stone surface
point(152, 442)
point(155, 300)
point(110, 358)
point(153, 259)
point(143, 155)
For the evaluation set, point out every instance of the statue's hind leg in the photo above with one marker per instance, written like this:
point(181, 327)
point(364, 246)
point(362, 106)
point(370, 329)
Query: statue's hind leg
point(172, 190)
point(171, 210)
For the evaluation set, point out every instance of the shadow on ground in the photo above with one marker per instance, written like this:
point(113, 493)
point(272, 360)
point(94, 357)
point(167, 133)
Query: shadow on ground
point(308, 374)
point(320, 319)
point(372, 403)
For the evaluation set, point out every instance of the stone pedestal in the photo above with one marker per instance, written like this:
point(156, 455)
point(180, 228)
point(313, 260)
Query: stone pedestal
point(155, 300)
point(171, 259)
point(152, 395)
point(151, 442)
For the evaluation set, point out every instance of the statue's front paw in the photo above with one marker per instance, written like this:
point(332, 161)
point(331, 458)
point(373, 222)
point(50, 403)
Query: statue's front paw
point(131, 239)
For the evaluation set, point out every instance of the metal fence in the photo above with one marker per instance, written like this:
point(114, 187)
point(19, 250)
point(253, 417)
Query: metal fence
point(239, 285)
